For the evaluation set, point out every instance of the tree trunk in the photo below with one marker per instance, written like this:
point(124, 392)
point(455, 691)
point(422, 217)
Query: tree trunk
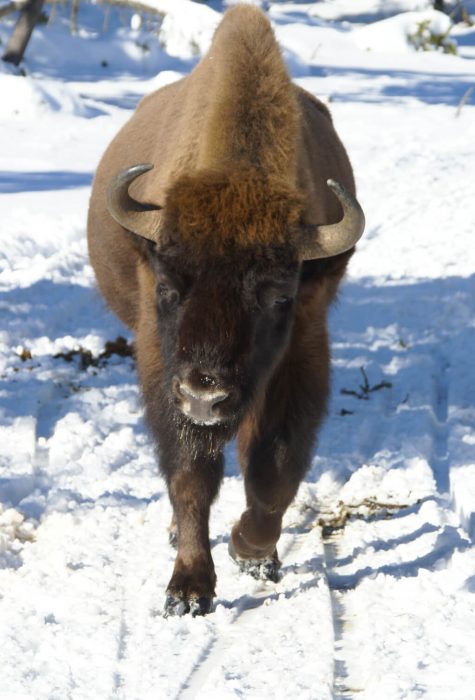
point(29, 16)
point(74, 16)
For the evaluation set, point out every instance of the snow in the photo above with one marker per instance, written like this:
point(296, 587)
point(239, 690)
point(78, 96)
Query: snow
point(343, 10)
point(182, 16)
point(394, 34)
point(376, 598)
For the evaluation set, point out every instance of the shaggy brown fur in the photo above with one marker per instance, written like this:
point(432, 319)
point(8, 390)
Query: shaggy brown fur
point(230, 327)
point(253, 118)
point(243, 208)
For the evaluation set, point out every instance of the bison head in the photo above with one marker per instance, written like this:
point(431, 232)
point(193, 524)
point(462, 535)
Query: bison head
point(224, 323)
point(227, 255)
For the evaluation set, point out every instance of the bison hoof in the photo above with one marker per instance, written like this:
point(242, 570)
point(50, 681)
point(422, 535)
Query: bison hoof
point(267, 569)
point(176, 606)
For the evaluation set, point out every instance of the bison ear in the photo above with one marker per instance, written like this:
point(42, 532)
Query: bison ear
point(326, 241)
point(142, 219)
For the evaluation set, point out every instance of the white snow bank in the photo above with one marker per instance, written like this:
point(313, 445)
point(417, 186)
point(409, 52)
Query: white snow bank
point(165, 77)
point(256, 3)
point(187, 27)
point(26, 98)
point(393, 34)
point(335, 9)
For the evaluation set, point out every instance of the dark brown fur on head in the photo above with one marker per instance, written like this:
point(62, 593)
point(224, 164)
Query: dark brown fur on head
point(217, 212)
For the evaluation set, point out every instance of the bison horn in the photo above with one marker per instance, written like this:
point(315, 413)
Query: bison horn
point(336, 238)
point(132, 215)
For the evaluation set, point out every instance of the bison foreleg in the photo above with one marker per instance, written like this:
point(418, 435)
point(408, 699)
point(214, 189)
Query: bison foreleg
point(274, 461)
point(192, 485)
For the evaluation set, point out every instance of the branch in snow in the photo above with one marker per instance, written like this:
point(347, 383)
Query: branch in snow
point(464, 99)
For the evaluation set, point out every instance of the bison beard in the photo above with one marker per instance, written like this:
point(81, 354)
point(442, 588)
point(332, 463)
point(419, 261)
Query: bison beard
point(221, 222)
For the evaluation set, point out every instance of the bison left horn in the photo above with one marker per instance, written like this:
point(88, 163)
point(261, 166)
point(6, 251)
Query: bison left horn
point(132, 215)
point(336, 238)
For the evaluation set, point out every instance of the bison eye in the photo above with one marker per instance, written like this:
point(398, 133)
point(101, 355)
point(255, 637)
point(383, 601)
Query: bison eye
point(282, 300)
point(276, 296)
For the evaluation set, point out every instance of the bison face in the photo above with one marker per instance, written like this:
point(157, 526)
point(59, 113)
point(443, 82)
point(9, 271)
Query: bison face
point(224, 324)
point(228, 252)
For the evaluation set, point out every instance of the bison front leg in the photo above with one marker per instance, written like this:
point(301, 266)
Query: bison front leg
point(273, 467)
point(275, 449)
point(193, 484)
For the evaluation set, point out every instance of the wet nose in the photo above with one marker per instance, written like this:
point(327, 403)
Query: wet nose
point(199, 395)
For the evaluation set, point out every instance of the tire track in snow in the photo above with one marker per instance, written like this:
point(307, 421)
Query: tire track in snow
point(223, 640)
point(118, 677)
point(132, 589)
point(52, 406)
point(341, 691)
point(216, 649)
point(50, 399)
point(440, 459)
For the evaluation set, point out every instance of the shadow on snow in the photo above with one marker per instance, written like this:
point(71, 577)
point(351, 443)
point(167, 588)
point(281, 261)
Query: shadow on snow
point(13, 182)
point(368, 85)
point(414, 336)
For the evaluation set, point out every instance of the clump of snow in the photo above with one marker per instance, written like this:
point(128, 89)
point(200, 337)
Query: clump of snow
point(187, 27)
point(13, 526)
point(14, 532)
point(389, 485)
point(135, 21)
point(406, 32)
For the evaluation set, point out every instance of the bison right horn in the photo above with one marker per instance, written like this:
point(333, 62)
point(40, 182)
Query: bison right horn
point(334, 239)
point(132, 215)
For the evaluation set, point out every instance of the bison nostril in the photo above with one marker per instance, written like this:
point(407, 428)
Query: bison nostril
point(207, 380)
point(200, 400)
point(202, 380)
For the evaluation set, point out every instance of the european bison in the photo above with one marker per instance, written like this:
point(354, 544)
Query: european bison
point(222, 218)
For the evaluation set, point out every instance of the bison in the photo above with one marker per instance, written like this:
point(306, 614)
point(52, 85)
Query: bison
point(221, 221)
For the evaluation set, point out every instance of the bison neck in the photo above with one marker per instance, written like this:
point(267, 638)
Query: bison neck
point(251, 115)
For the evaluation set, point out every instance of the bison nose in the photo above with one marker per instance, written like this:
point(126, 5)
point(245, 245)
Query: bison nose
point(199, 400)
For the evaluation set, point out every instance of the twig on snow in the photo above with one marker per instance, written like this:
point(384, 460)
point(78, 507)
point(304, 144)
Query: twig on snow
point(464, 99)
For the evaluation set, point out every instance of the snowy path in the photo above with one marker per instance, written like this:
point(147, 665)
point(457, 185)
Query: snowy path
point(377, 594)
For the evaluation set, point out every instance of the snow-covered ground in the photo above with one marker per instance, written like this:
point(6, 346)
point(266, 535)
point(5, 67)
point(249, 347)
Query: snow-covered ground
point(377, 597)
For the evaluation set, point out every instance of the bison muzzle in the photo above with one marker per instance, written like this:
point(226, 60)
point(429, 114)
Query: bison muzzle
point(221, 221)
